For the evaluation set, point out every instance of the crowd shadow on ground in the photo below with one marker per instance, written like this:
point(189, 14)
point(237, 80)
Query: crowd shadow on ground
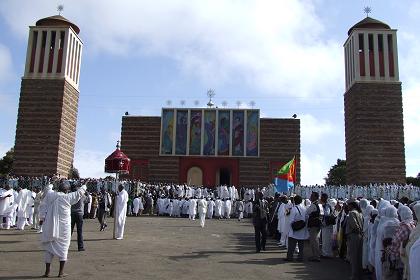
point(243, 245)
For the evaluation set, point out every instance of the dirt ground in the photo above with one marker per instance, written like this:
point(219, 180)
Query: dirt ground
point(163, 248)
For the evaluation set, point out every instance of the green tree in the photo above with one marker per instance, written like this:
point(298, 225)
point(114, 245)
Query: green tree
point(6, 163)
point(74, 173)
point(415, 181)
point(337, 174)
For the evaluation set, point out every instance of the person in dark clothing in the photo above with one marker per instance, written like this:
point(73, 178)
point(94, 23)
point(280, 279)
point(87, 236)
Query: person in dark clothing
point(77, 211)
point(104, 202)
point(259, 220)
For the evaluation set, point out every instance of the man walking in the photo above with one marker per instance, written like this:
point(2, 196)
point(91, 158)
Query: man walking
point(259, 220)
point(120, 212)
point(77, 212)
point(202, 210)
point(104, 203)
point(314, 226)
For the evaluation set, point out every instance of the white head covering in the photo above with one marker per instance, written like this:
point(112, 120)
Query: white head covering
point(374, 212)
point(368, 210)
point(391, 212)
point(332, 202)
point(307, 202)
point(363, 204)
point(416, 209)
point(405, 213)
point(390, 228)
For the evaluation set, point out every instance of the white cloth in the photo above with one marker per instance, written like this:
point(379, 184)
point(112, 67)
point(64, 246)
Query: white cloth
point(218, 208)
point(414, 260)
point(202, 210)
point(227, 208)
point(56, 233)
point(121, 213)
point(192, 210)
point(6, 203)
point(210, 209)
point(297, 213)
point(136, 205)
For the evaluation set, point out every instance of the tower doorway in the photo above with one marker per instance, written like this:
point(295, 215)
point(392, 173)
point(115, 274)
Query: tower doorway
point(195, 176)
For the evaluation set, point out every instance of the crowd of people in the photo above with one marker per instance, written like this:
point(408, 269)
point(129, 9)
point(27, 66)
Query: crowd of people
point(377, 236)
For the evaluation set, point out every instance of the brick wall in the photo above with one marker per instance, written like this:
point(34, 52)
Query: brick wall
point(46, 128)
point(280, 140)
point(374, 133)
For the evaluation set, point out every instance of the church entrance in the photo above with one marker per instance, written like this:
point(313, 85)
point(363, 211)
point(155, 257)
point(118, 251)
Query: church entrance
point(224, 176)
point(195, 176)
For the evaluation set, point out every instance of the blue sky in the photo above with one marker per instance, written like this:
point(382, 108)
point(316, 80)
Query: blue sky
point(286, 55)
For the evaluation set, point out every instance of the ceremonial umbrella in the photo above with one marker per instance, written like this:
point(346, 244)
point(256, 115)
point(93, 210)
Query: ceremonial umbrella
point(117, 163)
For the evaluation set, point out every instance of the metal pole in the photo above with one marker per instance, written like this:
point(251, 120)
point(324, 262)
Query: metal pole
point(115, 206)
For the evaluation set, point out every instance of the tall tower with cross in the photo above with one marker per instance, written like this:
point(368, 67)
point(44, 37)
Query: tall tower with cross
point(373, 105)
point(49, 96)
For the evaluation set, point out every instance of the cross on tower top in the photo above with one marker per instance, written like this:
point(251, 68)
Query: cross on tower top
point(367, 10)
point(60, 8)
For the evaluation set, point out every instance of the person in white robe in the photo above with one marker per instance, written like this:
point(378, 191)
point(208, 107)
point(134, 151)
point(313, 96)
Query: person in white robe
point(136, 206)
point(227, 208)
point(202, 210)
point(170, 208)
point(210, 208)
point(370, 245)
point(6, 207)
point(326, 229)
point(286, 228)
point(414, 261)
point(120, 212)
point(192, 209)
point(239, 205)
point(23, 201)
point(177, 207)
point(218, 208)
point(30, 209)
point(387, 213)
point(56, 232)
point(366, 222)
point(281, 216)
point(37, 202)
point(296, 237)
point(89, 204)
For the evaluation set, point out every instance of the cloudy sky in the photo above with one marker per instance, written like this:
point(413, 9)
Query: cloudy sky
point(286, 55)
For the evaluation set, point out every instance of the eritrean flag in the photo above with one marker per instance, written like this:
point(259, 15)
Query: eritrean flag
point(286, 176)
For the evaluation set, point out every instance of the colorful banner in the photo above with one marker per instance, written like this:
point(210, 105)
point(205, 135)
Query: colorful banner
point(181, 132)
point(252, 133)
point(195, 133)
point(238, 133)
point(167, 131)
point(223, 136)
point(209, 132)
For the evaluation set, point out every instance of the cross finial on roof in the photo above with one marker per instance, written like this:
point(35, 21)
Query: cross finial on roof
point(118, 144)
point(367, 10)
point(60, 8)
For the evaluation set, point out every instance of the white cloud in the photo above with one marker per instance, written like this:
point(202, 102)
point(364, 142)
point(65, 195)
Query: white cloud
point(314, 169)
point(3, 149)
point(314, 130)
point(276, 47)
point(90, 163)
point(411, 99)
point(5, 63)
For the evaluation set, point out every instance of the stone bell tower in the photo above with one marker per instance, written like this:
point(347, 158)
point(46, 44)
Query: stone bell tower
point(373, 105)
point(49, 96)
